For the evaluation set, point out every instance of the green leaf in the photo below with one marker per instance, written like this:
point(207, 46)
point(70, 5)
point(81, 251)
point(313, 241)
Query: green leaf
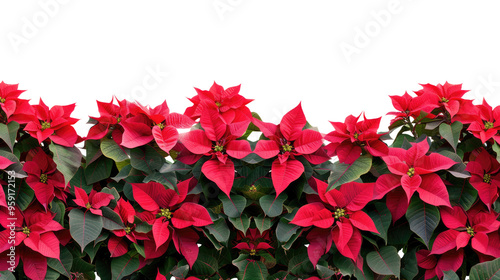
point(450, 275)
point(84, 227)
point(17, 167)
point(206, 263)
point(111, 220)
point(385, 262)
point(234, 207)
point(300, 264)
point(272, 205)
point(166, 179)
point(461, 193)
point(451, 133)
point(496, 149)
point(8, 133)
point(285, 230)
point(25, 196)
point(241, 223)
point(123, 266)
point(409, 263)
point(98, 170)
point(219, 230)
point(382, 218)
point(344, 173)
point(263, 223)
point(68, 160)
point(486, 270)
point(78, 180)
point(113, 151)
point(254, 270)
point(7, 275)
point(62, 266)
point(423, 218)
point(146, 159)
point(59, 209)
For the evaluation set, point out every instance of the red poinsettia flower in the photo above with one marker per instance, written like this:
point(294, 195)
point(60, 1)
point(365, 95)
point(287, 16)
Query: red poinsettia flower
point(9, 98)
point(55, 124)
point(117, 244)
point(436, 265)
point(110, 116)
point(35, 240)
point(253, 241)
point(337, 217)
point(350, 138)
point(92, 202)
point(218, 141)
point(5, 162)
point(288, 141)
point(43, 177)
point(171, 217)
point(477, 226)
point(229, 104)
point(415, 172)
point(409, 106)
point(487, 123)
point(485, 175)
point(449, 97)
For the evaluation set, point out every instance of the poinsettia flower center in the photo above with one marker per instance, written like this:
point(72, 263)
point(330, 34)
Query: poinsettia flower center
point(88, 205)
point(340, 212)
point(218, 103)
point(252, 188)
point(128, 230)
point(2, 100)
point(43, 178)
point(470, 231)
point(166, 213)
point(160, 125)
point(287, 147)
point(356, 135)
point(444, 100)
point(218, 148)
point(488, 125)
point(118, 120)
point(45, 125)
point(252, 252)
point(487, 178)
point(26, 231)
point(411, 172)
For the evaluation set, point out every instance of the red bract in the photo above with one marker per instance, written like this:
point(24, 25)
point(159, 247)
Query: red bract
point(288, 141)
point(485, 176)
point(34, 238)
point(477, 225)
point(253, 241)
point(338, 217)
point(93, 202)
point(487, 123)
point(229, 104)
point(350, 138)
point(110, 116)
point(415, 172)
point(43, 177)
point(435, 266)
point(9, 98)
point(117, 245)
point(408, 106)
point(5, 162)
point(171, 216)
point(55, 124)
point(218, 141)
point(449, 97)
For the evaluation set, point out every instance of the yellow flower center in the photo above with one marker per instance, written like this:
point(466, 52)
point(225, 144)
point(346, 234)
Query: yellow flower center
point(88, 205)
point(43, 178)
point(26, 231)
point(488, 125)
point(160, 125)
point(487, 178)
point(356, 135)
point(470, 231)
point(340, 212)
point(252, 252)
point(166, 213)
point(218, 104)
point(444, 100)
point(287, 148)
point(128, 230)
point(2, 100)
point(411, 172)
point(118, 120)
point(252, 188)
point(45, 125)
point(218, 148)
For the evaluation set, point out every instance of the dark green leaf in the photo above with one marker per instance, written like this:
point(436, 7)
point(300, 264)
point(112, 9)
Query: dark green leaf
point(84, 227)
point(272, 205)
point(8, 133)
point(113, 151)
point(486, 270)
point(98, 170)
point(423, 218)
point(241, 223)
point(344, 173)
point(123, 266)
point(450, 275)
point(219, 230)
point(62, 266)
point(382, 218)
point(234, 207)
point(68, 160)
point(451, 132)
point(146, 159)
point(385, 262)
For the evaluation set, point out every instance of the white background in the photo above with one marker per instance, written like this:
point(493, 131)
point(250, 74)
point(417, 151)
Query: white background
point(337, 57)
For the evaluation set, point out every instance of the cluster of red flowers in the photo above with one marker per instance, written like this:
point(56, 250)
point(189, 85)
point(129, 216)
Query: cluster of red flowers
point(150, 214)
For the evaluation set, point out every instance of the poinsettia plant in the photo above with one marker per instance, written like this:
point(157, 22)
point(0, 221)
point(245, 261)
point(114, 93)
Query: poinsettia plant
point(235, 197)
